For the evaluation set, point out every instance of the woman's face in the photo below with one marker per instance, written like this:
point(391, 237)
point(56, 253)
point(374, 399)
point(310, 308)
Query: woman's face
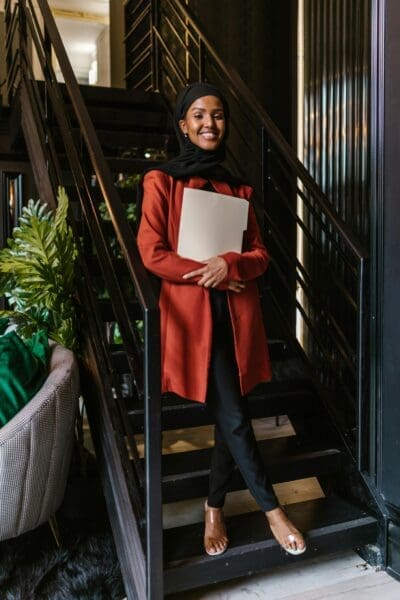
point(204, 122)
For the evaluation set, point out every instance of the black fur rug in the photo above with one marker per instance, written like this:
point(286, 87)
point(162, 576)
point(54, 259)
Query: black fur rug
point(85, 567)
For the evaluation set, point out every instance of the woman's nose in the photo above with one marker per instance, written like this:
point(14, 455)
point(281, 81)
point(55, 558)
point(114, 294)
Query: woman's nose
point(209, 120)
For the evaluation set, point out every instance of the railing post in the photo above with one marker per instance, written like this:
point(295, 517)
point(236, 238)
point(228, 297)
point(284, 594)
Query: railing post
point(362, 393)
point(153, 453)
point(155, 66)
point(23, 33)
point(263, 163)
point(202, 60)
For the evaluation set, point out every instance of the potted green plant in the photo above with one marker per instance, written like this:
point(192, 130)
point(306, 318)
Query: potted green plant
point(37, 273)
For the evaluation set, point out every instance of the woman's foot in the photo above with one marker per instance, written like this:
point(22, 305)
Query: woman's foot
point(285, 533)
point(215, 540)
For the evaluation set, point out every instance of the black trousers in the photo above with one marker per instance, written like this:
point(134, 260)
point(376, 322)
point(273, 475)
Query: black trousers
point(234, 436)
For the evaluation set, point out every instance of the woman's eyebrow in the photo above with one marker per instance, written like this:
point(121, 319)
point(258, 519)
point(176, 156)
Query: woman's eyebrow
point(200, 108)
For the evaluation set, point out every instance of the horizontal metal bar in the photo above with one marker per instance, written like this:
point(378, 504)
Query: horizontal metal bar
point(131, 15)
point(184, 25)
point(124, 233)
point(95, 223)
point(246, 97)
point(308, 234)
point(296, 305)
point(343, 387)
point(316, 303)
point(135, 25)
point(133, 50)
point(170, 56)
point(139, 61)
point(184, 44)
point(141, 81)
point(300, 192)
point(11, 28)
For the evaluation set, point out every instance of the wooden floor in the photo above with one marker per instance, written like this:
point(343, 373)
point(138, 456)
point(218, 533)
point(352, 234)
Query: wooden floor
point(335, 577)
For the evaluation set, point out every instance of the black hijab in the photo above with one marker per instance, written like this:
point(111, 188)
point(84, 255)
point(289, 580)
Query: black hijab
point(191, 159)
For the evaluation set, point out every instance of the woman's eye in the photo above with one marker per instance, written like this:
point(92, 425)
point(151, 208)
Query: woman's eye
point(199, 116)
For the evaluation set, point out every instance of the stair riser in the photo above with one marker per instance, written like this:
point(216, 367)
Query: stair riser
point(196, 485)
point(194, 415)
point(125, 119)
point(252, 559)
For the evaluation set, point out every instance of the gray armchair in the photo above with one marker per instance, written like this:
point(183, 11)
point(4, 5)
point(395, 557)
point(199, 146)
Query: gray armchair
point(36, 447)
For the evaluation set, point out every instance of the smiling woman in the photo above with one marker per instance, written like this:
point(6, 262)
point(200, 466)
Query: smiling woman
point(213, 345)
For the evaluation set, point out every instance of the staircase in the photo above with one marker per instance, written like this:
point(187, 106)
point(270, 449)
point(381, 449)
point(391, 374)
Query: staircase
point(120, 365)
point(131, 125)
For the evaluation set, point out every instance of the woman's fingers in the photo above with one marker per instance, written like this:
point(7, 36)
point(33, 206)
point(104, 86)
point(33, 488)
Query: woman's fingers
point(194, 273)
point(213, 273)
point(236, 286)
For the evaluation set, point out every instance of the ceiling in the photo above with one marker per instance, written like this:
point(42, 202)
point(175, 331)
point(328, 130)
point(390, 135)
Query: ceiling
point(95, 7)
point(79, 36)
point(80, 43)
point(79, 29)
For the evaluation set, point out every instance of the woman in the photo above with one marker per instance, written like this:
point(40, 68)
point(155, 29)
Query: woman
point(213, 343)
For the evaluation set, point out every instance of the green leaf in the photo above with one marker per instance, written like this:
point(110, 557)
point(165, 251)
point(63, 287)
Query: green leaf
point(37, 272)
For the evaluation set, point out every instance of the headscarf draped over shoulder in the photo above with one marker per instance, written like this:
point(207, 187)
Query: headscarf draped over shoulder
point(193, 160)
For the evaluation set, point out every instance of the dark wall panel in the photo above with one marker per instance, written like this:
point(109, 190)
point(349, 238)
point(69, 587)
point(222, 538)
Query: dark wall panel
point(336, 104)
point(256, 37)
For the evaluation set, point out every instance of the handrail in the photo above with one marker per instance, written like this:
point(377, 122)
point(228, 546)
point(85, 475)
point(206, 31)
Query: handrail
point(146, 576)
point(300, 223)
point(124, 232)
point(244, 94)
point(118, 301)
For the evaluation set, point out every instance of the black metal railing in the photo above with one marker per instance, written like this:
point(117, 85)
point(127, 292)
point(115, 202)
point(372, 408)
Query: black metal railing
point(317, 281)
point(136, 511)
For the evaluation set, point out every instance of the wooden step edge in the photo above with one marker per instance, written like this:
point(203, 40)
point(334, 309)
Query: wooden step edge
point(271, 390)
point(269, 405)
point(131, 165)
point(195, 484)
point(324, 534)
point(272, 463)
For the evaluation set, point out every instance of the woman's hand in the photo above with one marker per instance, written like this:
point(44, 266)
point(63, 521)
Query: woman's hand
point(214, 272)
point(236, 286)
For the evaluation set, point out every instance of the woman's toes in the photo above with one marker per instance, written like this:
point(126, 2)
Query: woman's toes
point(296, 541)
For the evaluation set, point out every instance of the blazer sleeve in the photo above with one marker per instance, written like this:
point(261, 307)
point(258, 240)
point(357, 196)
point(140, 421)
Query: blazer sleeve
point(152, 238)
point(254, 260)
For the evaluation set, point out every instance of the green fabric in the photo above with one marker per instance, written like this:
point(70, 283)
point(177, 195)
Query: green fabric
point(23, 370)
point(3, 324)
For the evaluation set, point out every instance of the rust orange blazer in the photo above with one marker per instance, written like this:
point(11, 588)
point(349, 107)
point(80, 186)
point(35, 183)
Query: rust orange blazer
point(186, 321)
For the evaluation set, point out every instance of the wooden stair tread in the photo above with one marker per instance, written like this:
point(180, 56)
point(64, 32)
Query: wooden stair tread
point(131, 165)
point(331, 524)
point(186, 474)
point(127, 118)
point(109, 96)
point(278, 398)
point(272, 450)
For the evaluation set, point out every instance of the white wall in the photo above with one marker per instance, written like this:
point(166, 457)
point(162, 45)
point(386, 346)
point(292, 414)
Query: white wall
point(103, 57)
point(117, 45)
